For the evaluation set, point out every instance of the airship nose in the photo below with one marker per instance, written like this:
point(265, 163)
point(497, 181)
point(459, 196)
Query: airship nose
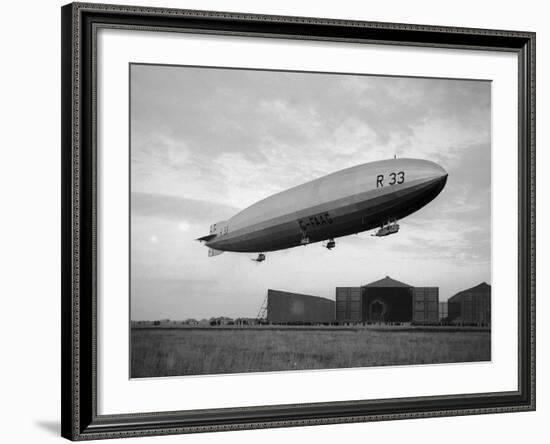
point(436, 171)
point(435, 174)
point(441, 177)
point(439, 171)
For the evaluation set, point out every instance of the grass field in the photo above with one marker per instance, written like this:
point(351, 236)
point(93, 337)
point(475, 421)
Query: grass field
point(176, 352)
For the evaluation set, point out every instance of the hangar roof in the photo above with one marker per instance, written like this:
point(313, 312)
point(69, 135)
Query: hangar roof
point(387, 282)
point(483, 288)
point(280, 293)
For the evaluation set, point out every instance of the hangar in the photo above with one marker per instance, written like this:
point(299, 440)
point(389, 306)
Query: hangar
point(383, 301)
point(294, 308)
point(471, 306)
point(387, 300)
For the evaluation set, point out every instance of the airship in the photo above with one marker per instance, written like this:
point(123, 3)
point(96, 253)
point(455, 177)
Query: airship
point(364, 197)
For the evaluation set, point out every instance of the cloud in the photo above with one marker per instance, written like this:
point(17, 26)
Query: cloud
point(216, 111)
point(177, 209)
point(183, 226)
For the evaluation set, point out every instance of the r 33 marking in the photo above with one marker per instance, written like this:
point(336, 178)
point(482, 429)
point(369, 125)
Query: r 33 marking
point(394, 179)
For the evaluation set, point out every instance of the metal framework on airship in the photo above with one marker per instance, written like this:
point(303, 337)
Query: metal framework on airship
point(349, 201)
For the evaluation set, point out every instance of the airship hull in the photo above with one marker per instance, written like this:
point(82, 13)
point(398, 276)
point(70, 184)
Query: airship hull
point(347, 202)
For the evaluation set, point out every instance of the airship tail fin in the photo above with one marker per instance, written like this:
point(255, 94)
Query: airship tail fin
point(214, 252)
point(207, 238)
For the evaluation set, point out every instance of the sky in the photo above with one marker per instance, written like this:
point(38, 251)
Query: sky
point(208, 142)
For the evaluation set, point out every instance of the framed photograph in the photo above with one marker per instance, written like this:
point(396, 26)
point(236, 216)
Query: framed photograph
point(275, 221)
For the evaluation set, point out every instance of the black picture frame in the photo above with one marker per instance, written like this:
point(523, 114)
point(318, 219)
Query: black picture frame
point(80, 419)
